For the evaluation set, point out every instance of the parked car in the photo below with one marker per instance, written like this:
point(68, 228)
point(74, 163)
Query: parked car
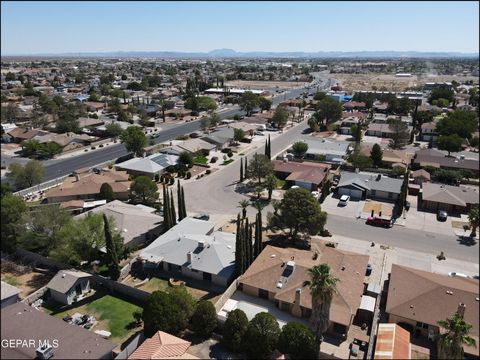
point(442, 215)
point(344, 199)
point(202, 217)
point(213, 159)
point(194, 135)
point(376, 221)
point(453, 273)
point(259, 133)
point(369, 270)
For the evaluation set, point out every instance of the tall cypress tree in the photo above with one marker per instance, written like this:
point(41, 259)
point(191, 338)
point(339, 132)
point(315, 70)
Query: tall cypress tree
point(250, 244)
point(172, 210)
point(258, 235)
point(266, 147)
point(112, 258)
point(246, 165)
point(239, 253)
point(166, 210)
point(180, 202)
point(248, 255)
point(269, 147)
point(184, 207)
point(241, 169)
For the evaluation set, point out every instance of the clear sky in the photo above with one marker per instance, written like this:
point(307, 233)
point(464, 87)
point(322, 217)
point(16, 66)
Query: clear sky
point(53, 27)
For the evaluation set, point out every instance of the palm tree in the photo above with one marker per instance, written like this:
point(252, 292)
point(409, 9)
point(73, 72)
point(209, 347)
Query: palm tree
point(244, 204)
point(474, 219)
point(450, 343)
point(322, 287)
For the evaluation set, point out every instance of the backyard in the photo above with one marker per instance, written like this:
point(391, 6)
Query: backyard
point(113, 314)
point(28, 282)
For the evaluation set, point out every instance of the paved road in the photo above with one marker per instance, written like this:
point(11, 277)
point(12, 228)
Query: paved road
point(57, 168)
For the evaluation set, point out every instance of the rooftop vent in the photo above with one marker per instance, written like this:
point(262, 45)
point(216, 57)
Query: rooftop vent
point(201, 244)
point(273, 256)
point(44, 352)
point(279, 284)
point(63, 275)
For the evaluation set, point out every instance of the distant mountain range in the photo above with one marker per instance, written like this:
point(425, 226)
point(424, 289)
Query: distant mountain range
point(229, 53)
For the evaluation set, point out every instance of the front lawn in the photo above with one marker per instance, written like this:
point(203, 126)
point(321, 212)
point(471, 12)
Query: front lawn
point(226, 162)
point(200, 159)
point(281, 183)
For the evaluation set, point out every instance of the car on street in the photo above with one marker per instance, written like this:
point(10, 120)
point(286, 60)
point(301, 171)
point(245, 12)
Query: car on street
point(369, 270)
point(457, 274)
point(376, 221)
point(442, 215)
point(344, 199)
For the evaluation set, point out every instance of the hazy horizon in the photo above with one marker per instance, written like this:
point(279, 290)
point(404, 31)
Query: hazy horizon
point(33, 28)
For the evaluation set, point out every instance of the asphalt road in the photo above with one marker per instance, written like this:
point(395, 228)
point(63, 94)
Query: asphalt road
point(58, 168)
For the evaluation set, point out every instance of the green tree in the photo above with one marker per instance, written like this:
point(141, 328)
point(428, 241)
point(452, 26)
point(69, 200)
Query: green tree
point(441, 93)
point(239, 249)
point(328, 111)
point(134, 140)
point(360, 161)
point(30, 147)
point(173, 215)
point(453, 336)
point(249, 101)
point(106, 192)
point(262, 335)
point(112, 258)
point(68, 119)
point(450, 143)
point(400, 133)
point(204, 319)
point(320, 96)
point(241, 169)
point(376, 154)
point(298, 213)
point(143, 190)
point(259, 167)
point(186, 302)
point(297, 341)
point(300, 148)
point(26, 176)
point(322, 286)
point(113, 130)
point(460, 122)
point(271, 182)
point(12, 210)
point(244, 205)
point(161, 312)
point(474, 220)
point(357, 133)
point(204, 123)
point(122, 116)
point(265, 104)
point(238, 134)
point(280, 116)
point(185, 158)
point(214, 120)
point(234, 330)
point(313, 123)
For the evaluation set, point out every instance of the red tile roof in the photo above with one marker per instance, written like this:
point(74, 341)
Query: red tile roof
point(163, 346)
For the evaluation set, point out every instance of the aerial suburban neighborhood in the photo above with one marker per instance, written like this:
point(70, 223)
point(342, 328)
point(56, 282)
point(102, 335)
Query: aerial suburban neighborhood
point(306, 200)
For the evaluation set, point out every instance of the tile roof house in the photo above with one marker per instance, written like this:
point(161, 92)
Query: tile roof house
point(10, 294)
point(195, 250)
point(162, 346)
point(334, 151)
point(278, 274)
point(309, 175)
point(150, 166)
point(136, 225)
point(393, 342)
point(20, 321)
point(422, 298)
point(453, 199)
point(363, 185)
point(87, 186)
point(435, 158)
point(69, 286)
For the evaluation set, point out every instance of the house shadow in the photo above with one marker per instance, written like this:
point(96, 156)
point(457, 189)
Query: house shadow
point(38, 280)
point(466, 240)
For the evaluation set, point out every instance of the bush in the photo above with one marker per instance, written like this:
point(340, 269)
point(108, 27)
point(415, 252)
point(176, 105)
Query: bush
point(208, 172)
point(157, 178)
point(204, 319)
point(172, 181)
point(262, 335)
point(230, 154)
point(298, 341)
point(100, 146)
point(226, 150)
point(189, 174)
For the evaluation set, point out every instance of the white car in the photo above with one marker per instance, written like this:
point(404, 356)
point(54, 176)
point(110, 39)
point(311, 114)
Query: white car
point(453, 273)
point(344, 200)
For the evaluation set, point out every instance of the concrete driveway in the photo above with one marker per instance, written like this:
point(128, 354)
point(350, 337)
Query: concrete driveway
point(351, 210)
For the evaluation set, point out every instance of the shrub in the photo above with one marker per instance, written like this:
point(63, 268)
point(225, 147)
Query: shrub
point(297, 340)
point(189, 174)
point(172, 181)
point(330, 244)
point(234, 329)
point(230, 154)
point(261, 336)
point(204, 319)
point(226, 150)
point(100, 146)
point(208, 171)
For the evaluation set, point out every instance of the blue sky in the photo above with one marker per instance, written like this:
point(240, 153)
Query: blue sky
point(52, 27)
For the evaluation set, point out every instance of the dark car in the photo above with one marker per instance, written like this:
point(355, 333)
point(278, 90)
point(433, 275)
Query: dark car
point(369, 270)
point(376, 221)
point(213, 159)
point(194, 135)
point(442, 215)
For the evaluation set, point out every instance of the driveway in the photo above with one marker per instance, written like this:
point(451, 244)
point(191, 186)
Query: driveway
point(351, 210)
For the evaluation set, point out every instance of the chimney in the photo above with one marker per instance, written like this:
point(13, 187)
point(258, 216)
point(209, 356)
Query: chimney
point(298, 292)
point(189, 257)
point(461, 309)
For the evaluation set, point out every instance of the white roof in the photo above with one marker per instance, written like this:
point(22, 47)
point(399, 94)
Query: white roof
point(368, 303)
point(9, 290)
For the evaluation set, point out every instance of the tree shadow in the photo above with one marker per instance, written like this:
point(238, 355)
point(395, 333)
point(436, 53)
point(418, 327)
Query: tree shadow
point(466, 240)
point(38, 280)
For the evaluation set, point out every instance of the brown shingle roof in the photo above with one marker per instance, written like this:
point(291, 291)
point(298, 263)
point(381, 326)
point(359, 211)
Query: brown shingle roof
point(421, 173)
point(266, 271)
point(447, 194)
point(292, 166)
point(65, 279)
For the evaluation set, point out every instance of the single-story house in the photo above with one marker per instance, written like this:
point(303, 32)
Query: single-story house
point(162, 345)
point(345, 125)
point(435, 158)
point(390, 157)
point(150, 166)
point(85, 122)
point(69, 286)
point(309, 175)
point(68, 141)
point(454, 199)
point(10, 294)
point(221, 137)
point(197, 145)
point(136, 224)
point(17, 135)
point(420, 176)
point(335, 152)
point(64, 341)
point(362, 185)
point(420, 299)
point(278, 275)
point(351, 105)
point(94, 105)
point(86, 186)
point(247, 128)
point(381, 130)
point(193, 249)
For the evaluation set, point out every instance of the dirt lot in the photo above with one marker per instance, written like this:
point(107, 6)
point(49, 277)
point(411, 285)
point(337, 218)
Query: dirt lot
point(353, 82)
point(28, 283)
point(267, 85)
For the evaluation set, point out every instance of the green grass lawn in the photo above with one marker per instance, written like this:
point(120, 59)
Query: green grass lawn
point(10, 279)
point(200, 159)
point(280, 183)
point(155, 284)
point(226, 162)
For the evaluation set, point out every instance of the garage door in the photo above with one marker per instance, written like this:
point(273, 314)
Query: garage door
point(354, 194)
